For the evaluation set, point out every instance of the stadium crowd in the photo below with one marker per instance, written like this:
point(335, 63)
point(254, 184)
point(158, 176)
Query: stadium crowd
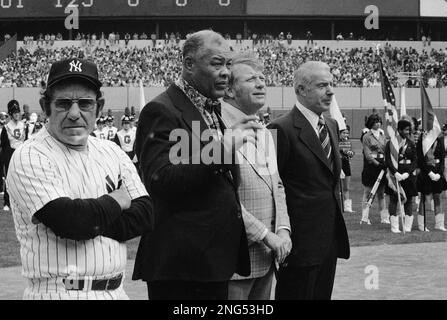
point(160, 65)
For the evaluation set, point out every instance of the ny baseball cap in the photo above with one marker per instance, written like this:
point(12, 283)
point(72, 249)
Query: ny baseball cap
point(74, 68)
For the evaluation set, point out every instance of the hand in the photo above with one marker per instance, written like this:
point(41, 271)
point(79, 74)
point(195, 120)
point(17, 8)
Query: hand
point(437, 177)
point(278, 245)
point(350, 154)
point(122, 197)
point(405, 176)
point(433, 176)
point(285, 234)
point(398, 176)
point(241, 132)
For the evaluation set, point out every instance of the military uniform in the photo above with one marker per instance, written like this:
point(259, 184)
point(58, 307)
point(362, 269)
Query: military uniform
point(374, 149)
point(432, 163)
point(407, 163)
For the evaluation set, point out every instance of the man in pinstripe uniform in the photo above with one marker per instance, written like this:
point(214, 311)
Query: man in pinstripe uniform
point(262, 196)
point(75, 198)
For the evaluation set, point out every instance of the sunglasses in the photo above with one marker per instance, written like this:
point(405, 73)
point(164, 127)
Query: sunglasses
point(85, 104)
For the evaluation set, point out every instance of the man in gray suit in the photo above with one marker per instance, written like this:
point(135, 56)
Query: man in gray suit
point(261, 194)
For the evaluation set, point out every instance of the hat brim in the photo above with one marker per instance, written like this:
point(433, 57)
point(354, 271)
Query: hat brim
point(93, 81)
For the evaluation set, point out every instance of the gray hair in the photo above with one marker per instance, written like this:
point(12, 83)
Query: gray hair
point(195, 42)
point(246, 58)
point(303, 76)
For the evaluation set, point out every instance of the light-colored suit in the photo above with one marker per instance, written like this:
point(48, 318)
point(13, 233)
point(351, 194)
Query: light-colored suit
point(261, 194)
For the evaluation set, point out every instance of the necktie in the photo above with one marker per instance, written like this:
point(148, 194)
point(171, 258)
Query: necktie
point(213, 106)
point(324, 139)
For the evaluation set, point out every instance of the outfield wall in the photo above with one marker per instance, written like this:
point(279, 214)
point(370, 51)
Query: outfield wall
point(355, 103)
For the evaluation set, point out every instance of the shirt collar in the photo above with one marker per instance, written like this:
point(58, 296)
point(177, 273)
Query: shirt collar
point(231, 114)
point(311, 116)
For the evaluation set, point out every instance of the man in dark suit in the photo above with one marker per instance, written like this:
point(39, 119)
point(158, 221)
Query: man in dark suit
point(309, 166)
point(187, 163)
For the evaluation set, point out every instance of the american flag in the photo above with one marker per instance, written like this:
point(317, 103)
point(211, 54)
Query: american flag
point(430, 122)
point(391, 120)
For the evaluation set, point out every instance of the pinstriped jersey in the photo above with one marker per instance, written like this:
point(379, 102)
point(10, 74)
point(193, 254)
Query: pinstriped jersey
point(42, 170)
point(16, 133)
point(127, 139)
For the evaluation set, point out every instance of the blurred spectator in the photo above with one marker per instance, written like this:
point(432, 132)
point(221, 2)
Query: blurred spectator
point(339, 37)
point(309, 38)
point(126, 39)
point(135, 36)
point(254, 37)
point(40, 39)
point(143, 36)
point(239, 38)
point(7, 37)
point(289, 38)
point(112, 38)
point(154, 39)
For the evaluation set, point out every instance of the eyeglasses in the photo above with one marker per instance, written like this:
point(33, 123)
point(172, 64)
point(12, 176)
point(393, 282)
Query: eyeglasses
point(85, 104)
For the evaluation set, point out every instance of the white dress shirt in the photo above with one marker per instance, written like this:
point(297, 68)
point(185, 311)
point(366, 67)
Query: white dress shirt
point(311, 116)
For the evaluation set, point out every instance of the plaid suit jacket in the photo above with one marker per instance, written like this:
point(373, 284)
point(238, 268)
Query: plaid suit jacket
point(261, 194)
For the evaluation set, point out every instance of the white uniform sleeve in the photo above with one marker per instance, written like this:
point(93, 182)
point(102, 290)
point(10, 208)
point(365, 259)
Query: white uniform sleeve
point(33, 181)
point(131, 180)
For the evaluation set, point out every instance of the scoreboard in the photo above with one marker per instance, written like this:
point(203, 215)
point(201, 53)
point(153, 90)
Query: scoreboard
point(218, 8)
point(108, 8)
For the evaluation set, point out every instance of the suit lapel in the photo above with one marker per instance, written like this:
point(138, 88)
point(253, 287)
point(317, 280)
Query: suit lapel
point(190, 114)
point(192, 118)
point(229, 117)
point(307, 135)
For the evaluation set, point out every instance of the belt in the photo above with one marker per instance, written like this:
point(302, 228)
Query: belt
point(377, 155)
point(405, 161)
point(102, 284)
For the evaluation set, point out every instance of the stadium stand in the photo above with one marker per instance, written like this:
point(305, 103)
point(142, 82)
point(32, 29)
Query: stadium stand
point(124, 65)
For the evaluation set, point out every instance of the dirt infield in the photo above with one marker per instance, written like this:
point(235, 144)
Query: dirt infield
point(407, 271)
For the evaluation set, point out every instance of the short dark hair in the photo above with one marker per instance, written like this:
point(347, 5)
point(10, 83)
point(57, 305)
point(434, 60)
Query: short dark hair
point(403, 123)
point(372, 119)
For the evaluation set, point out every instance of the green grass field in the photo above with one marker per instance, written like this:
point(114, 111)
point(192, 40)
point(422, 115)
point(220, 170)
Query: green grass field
point(360, 235)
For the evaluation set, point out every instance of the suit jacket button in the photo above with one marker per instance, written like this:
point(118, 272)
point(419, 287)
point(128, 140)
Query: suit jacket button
point(239, 213)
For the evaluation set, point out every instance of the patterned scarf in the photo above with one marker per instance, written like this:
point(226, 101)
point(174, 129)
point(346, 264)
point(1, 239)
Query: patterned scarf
point(208, 108)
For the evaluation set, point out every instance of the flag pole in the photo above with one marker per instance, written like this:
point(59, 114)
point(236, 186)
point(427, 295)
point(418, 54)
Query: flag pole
point(400, 206)
point(372, 194)
point(421, 83)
